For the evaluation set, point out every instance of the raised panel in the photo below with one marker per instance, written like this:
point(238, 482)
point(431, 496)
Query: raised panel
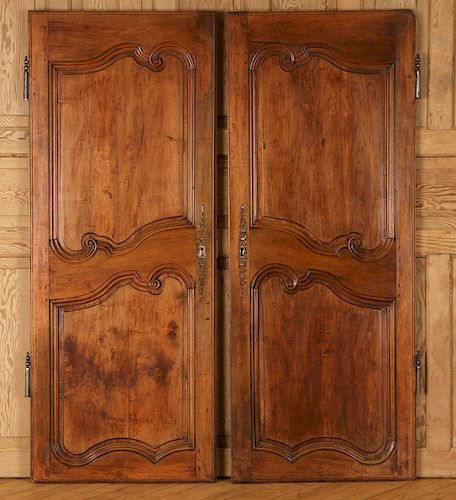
point(147, 356)
point(142, 142)
point(321, 230)
point(302, 403)
point(321, 161)
point(122, 266)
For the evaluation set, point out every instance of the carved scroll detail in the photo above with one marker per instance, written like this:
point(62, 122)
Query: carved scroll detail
point(154, 284)
point(201, 252)
point(289, 59)
point(91, 243)
point(155, 61)
point(292, 284)
point(351, 241)
point(242, 262)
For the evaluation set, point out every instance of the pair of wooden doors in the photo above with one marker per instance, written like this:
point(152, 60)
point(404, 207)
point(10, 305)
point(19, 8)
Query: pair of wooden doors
point(321, 257)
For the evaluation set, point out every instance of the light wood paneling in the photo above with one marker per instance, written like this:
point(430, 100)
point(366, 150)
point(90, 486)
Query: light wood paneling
point(441, 74)
point(13, 48)
point(436, 199)
point(14, 299)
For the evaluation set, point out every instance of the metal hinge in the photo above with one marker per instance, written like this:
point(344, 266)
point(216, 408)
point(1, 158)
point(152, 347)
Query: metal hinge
point(417, 77)
point(26, 79)
point(418, 371)
point(27, 375)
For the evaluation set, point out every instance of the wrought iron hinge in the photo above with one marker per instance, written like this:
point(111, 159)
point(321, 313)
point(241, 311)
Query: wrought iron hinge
point(27, 375)
point(26, 79)
point(418, 371)
point(417, 77)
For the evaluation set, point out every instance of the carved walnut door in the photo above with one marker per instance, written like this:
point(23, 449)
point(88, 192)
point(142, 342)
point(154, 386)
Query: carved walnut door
point(123, 246)
point(322, 238)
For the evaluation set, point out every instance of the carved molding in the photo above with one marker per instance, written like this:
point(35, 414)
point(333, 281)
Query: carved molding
point(91, 243)
point(155, 61)
point(290, 59)
point(292, 284)
point(154, 284)
point(351, 241)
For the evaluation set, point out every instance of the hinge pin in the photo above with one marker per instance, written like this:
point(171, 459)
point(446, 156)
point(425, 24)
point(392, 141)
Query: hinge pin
point(27, 375)
point(26, 78)
point(417, 77)
point(418, 371)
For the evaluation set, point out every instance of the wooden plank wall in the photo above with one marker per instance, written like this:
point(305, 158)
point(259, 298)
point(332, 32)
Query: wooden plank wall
point(436, 225)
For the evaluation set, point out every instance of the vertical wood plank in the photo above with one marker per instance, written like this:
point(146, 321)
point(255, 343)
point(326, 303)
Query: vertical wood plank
point(217, 5)
point(453, 346)
point(394, 4)
point(286, 5)
point(368, 4)
point(100, 5)
point(14, 325)
point(58, 4)
point(438, 346)
point(130, 5)
point(441, 54)
point(13, 49)
point(421, 346)
point(246, 5)
point(422, 46)
point(349, 4)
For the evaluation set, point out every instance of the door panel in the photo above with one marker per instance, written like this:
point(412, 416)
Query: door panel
point(123, 265)
point(321, 179)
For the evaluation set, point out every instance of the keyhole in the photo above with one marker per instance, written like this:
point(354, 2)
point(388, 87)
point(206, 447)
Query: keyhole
point(201, 252)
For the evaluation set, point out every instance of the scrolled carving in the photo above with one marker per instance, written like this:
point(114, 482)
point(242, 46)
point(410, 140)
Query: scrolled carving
point(289, 59)
point(351, 241)
point(91, 243)
point(292, 284)
point(154, 284)
point(154, 60)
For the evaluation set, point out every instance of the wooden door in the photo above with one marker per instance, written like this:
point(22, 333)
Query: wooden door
point(322, 245)
point(122, 134)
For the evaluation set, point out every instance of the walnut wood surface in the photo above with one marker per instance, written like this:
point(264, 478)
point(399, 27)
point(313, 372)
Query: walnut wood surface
point(322, 159)
point(122, 140)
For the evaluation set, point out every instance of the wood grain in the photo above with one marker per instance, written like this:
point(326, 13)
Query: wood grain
point(314, 176)
point(436, 194)
point(14, 192)
point(441, 69)
point(14, 142)
point(421, 268)
point(14, 298)
point(13, 49)
point(438, 345)
point(430, 143)
point(145, 380)
point(14, 247)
